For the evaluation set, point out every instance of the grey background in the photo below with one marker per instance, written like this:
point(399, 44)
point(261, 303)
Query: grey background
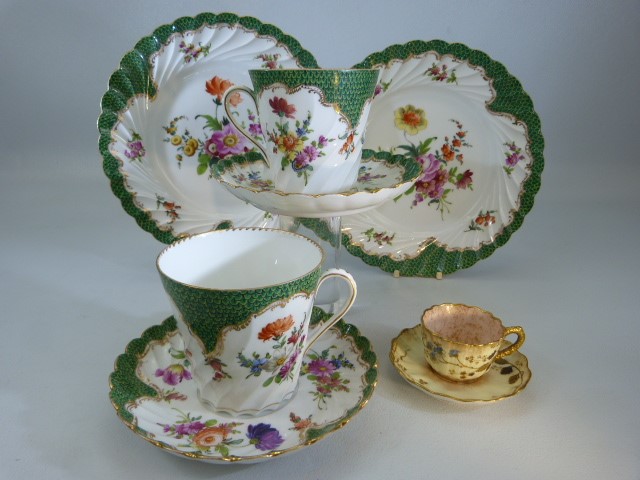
point(77, 275)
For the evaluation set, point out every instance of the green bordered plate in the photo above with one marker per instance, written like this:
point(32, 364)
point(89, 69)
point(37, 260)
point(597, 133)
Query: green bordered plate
point(473, 128)
point(153, 393)
point(162, 126)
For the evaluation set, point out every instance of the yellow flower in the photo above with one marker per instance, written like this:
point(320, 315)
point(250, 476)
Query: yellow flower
point(176, 140)
point(193, 142)
point(189, 150)
point(290, 144)
point(410, 119)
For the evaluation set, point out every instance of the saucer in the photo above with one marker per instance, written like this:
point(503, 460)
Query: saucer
point(382, 177)
point(507, 377)
point(154, 395)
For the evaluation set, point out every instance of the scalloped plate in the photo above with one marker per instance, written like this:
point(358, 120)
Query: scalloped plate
point(381, 177)
point(162, 126)
point(476, 133)
point(164, 410)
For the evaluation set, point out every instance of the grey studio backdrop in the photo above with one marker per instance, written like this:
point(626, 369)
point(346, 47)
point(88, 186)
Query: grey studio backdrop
point(77, 275)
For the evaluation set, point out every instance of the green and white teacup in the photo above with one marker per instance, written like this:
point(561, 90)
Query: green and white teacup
point(243, 300)
point(309, 125)
point(462, 342)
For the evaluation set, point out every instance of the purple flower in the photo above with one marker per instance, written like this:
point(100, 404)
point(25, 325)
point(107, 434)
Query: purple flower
point(137, 150)
point(431, 165)
point(305, 157)
point(288, 365)
point(322, 141)
point(255, 129)
point(321, 367)
point(264, 437)
point(514, 158)
point(227, 141)
point(378, 90)
point(173, 374)
point(189, 428)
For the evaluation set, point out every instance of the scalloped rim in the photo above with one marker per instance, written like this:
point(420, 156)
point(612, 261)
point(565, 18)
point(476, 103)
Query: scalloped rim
point(142, 52)
point(511, 99)
point(125, 369)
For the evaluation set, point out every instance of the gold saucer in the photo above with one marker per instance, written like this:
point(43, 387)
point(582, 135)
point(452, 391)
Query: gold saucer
point(507, 377)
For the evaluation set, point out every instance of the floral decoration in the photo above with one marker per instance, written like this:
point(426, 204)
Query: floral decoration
point(324, 372)
point(381, 238)
point(293, 141)
point(192, 52)
point(365, 175)
point(441, 73)
point(484, 219)
point(254, 180)
point(170, 208)
point(222, 437)
point(219, 138)
point(269, 61)
point(513, 156)
point(136, 148)
point(299, 424)
point(441, 173)
point(410, 119)
point(287, 341)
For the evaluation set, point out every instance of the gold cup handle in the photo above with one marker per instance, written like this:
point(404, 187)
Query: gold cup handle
point(353, 290)
point(231, 117)
point(519, 331)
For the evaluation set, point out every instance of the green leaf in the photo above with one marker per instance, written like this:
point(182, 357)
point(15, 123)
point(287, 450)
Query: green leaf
point(202, 168)
point(210, 423)
point(224, 451)
point(212, 123)
point(268, 382)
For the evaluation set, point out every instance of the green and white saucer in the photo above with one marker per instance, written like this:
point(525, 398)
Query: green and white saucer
point(154, 395)
point(506, 378)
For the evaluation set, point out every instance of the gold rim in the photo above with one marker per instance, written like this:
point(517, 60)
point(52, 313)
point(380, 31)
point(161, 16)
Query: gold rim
point(239, 229)
point(396, 361)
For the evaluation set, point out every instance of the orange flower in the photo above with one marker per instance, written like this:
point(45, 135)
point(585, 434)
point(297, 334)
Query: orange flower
point(212, 436)
point(235, 99)
point(275, 329)
point(217, 86)
point(447, 153)
point(456, 142)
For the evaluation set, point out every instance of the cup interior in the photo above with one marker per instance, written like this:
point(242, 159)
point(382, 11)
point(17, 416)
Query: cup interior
point(463, 324)
point(240, 259)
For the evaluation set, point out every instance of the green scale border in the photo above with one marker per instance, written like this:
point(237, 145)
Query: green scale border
point(510, 98)
point(126, 388)
point(132, 78)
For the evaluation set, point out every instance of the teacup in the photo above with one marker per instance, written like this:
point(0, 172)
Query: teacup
point(242, 300)
point(309, 125)
point(462, 342)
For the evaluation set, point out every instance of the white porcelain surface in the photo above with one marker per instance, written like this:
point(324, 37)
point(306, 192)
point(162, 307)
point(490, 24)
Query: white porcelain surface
point(163, 139)
point(378, 182)
point(338, 377)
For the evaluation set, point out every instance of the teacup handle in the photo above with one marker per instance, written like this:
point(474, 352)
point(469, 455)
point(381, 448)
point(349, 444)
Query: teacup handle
point(230, 116)
point(514, 346)
point(353, 290)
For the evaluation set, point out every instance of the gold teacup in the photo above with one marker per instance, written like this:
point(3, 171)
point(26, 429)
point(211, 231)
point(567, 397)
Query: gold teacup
point(462, 342)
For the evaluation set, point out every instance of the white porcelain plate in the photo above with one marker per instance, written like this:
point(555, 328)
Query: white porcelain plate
point(475, 132)
point(382, 177)
point(154, 395)
point(162, 124)
point(507, 376)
